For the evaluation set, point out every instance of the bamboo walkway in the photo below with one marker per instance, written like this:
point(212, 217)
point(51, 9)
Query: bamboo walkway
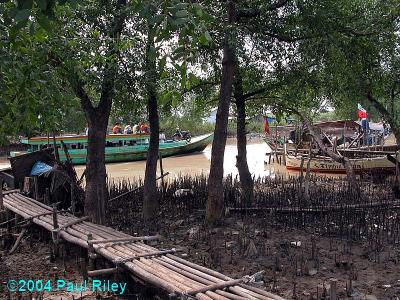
point(160, 268)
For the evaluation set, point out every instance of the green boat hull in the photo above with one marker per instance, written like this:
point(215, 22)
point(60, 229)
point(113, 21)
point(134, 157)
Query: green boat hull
point(135, 153)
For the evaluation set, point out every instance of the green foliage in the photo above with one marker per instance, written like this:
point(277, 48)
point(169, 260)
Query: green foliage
point(303, 55)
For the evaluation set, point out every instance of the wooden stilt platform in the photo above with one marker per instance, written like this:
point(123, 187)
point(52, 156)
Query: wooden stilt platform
point(158, 267)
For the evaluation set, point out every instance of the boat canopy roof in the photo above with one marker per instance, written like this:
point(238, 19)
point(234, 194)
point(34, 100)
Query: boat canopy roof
point(74, 139)
point(339, 124)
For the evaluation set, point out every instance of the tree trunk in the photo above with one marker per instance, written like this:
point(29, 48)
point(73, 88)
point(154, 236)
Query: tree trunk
point(307, 179)
point(215, 200)
point(150, 199)
point(96, 184)
point(393, 125)
point(387, 116)
point(246, 179)
point(97, 118)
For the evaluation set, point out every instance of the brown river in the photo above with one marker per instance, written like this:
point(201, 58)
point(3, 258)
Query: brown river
point(196, 163)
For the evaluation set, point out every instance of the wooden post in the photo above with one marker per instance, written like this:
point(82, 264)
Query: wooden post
point(36, 184)
point(301, 169)
point(397, 177)
point(91, 254)
point(350, 287)
point(2, 212)
point(1, 196)
point(334, 148)
point(57, 156)
point(9, 220)
point(55, 220)
point(17, 219)
point(172, 296)
point(333, 294)
point(47, 197)
point(344, 136)
point(284, 151)
point(83, 264)
point(55, 231)
point(73, 204)
point(162, 174)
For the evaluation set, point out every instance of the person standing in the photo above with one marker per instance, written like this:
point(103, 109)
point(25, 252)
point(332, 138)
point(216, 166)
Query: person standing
point(162, 136)
point(363, 116)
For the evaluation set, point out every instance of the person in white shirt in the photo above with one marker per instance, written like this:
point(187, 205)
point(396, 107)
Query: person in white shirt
point(135, 128)
point(161, 137)
point(128, 129)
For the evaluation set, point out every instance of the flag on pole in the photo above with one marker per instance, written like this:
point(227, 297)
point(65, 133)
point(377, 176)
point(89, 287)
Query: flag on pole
point(361, 112)
point(266, 125)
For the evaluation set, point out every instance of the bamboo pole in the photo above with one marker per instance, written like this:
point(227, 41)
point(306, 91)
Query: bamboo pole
point(135, 189)
point(17, 242)
point(216, 286)
point(131, 239)
point(7, 222)
point(73, 222)
point(156, 253)
point(103, 272)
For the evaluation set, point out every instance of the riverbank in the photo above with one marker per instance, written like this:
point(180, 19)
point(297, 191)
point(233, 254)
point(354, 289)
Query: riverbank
point(298, 244)
point(285, 257)
point(294, 244)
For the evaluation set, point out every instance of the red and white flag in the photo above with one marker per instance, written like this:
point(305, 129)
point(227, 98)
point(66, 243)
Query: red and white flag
point(361, 112)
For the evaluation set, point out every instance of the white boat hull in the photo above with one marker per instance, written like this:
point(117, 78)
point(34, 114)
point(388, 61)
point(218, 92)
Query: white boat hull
point(327, 165)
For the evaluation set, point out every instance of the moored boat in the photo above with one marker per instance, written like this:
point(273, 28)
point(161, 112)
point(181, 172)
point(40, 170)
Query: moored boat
point(118, 148)
point(328, 165)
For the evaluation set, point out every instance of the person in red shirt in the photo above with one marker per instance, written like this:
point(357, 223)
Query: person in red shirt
point(142, 127)
point(117, 128)
point(146, 129)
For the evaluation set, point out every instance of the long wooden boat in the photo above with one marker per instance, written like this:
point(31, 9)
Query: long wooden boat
point(327, 165)
point(118, 148)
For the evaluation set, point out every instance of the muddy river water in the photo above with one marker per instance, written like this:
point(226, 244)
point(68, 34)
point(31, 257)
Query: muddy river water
point(196, 163)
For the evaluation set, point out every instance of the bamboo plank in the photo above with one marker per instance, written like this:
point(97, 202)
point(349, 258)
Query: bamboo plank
point(119, 240)
point(73, 222)
point(216, 286)
point(150, 254)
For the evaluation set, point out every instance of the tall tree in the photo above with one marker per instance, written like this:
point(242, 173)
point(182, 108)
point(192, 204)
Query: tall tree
point(150, 195)
point(246, 180)
point(97, 117)
point(81, 46)
point(215, 199)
